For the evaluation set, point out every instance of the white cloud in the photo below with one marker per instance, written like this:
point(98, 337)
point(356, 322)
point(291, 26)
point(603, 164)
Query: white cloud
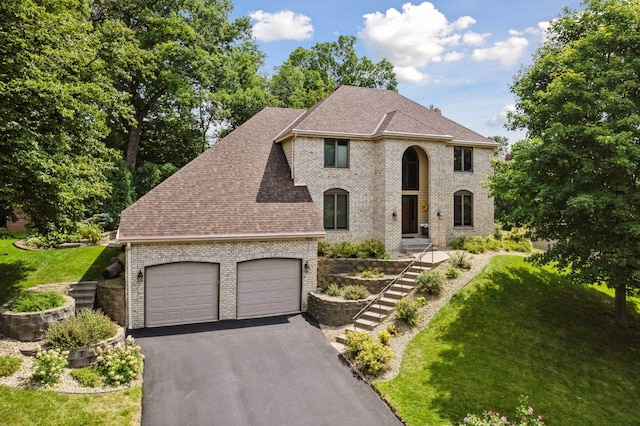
point(282, 25)
point(508, 52)
point(414, 37)
point(474, 39)
point(500, 119)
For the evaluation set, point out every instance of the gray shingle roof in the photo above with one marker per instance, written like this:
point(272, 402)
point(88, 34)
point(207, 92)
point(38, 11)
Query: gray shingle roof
point(370, 112)
point(241, 187)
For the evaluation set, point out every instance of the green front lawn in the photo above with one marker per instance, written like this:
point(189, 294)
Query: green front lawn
point(520, 330)
point(35, 407)
point(22, 269)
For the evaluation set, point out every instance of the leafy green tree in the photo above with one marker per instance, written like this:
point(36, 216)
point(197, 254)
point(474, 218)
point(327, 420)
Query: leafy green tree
point(308, 76)
point(174, 55)
point(54, 95)
point(577, 179)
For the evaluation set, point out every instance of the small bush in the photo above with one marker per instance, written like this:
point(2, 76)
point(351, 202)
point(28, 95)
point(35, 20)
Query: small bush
point(392, 329)
point(372, 273)
point(370, 355)
point(332, 290)
point(91, 232)
point(48, 365)
point(86, 328)
point(459, 260)
point(355, 292)
point(452, 273)
point(369, 249)
point(407, 311)
point(120, 365)
point(498, 231)
point(430, 282)
point(87, 377)
point(421, 301)
point(323, 248)
point(524, 414)
point(9, 364)
point(373, 249)
point(384, 336)
point(33, 301)
point(457, 243)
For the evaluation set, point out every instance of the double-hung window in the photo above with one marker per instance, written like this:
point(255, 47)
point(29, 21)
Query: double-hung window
point(463, 208)
point(336, 209)
point(462, 159)
point(336, 153)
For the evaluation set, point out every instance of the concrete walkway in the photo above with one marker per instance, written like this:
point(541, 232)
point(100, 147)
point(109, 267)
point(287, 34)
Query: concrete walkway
point(274, 371)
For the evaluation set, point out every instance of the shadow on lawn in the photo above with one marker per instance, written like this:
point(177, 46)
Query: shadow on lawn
point(12, 273)
point(535, 334)
point(94, 271)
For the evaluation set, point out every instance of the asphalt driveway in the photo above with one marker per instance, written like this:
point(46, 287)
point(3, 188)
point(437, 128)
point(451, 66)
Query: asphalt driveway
point(274, 371)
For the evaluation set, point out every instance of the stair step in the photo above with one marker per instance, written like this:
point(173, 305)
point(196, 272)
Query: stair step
point(405, 283)
point(74, 293)
point(374, 316)
point(392, 294)
point(365, 324)
point(381, 309)
point(387, 301)
point(342, 338)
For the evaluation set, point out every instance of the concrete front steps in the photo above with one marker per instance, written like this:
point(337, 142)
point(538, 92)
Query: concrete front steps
point(84, 294)
point(385, 305)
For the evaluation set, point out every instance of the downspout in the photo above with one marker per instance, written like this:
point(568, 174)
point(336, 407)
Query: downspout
point(129, 303)
point(293, 157)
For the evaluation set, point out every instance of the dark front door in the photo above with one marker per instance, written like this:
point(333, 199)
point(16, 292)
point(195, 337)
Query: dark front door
point(409, 214)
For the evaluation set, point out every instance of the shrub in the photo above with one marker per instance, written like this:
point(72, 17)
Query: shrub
point(120, 365)
point(392, 329)
point(407, 311)
point(372, 273)
point(87, 377)
point(430, 282)
point(48, 365)
point(373, 249)
point(384, 336)
point(498, 231)
point(524, 413)
point(370, 355)
point(355, 292)
point(421, 301)
point(457, 243)
point(452, 273)
point(9, 364)
point(91, 232)
point(332, 290)
point(33, 301)
point(86, 328)
point(323, 248)
point(459, 260)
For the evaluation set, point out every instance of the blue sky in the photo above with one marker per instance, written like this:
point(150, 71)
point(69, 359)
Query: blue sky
point(458, 55)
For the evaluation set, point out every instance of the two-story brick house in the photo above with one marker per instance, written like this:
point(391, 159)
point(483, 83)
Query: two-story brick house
point(234, 233)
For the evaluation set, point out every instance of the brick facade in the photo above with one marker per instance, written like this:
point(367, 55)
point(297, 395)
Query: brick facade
point(374, 183)
point(227, 255)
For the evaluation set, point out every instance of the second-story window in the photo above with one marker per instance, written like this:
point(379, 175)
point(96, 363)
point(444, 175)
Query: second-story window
point(336, 153)
point(462, 159)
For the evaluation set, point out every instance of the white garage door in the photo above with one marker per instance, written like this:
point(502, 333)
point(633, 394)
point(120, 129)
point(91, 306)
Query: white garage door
point(269, 287)
point(181, 293)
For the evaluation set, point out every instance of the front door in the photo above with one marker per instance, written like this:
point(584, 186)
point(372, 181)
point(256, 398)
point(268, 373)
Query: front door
point(409, 214)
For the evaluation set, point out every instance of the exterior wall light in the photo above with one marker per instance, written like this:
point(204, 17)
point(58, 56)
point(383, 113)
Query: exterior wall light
point(394, 215)
point(306, 266)
point(140, 276)
point(439, 215)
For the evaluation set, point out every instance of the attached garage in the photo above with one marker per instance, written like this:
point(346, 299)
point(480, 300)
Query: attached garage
point(269, 287)
point(181, 293)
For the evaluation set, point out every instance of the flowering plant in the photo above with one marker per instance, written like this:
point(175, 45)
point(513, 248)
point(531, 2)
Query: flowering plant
point(120, 365)
point(48, 365)
point(524, 412)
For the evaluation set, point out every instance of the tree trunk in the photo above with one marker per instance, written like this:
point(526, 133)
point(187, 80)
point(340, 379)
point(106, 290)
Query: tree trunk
point(134, 143)
point(620, 316)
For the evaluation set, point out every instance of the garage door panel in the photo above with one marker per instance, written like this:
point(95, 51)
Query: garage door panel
point(268, 287)
point(181, 293)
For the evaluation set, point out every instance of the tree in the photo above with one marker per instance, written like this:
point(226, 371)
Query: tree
point(577, 179)
point(174, 55)
point(308, 76)
point(53, 101)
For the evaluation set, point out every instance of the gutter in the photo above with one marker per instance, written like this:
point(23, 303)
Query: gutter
point(220, 238)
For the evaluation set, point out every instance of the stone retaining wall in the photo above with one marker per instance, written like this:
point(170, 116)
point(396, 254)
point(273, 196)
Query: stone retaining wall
point(333, 311)
point(31, 326)
point(87, 355)
point(373, 285)
point(343, 266)
point(110, 299)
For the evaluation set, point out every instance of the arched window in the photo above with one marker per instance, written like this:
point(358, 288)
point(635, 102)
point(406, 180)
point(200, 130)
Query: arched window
point(336, 209)
point(463, 208)
point(410, 167)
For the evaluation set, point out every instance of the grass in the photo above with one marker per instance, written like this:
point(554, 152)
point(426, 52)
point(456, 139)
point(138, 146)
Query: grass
point(36, 407)
point(522, 330)
point(22, 269)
